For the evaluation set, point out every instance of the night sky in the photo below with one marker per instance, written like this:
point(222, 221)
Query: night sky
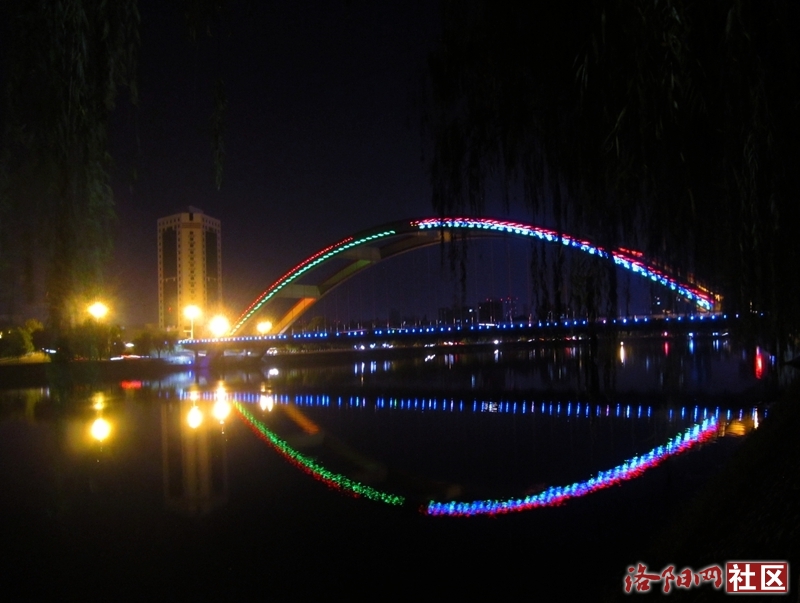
point(322, 137)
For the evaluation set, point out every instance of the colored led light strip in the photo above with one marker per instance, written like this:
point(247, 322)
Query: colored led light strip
point(310, 466)
point(625, 258)
point(622, 257)
point(558, 495)
point(303, 267)
point(551, 497)
point(567, 408)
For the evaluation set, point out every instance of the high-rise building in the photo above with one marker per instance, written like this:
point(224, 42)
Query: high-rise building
point(189, 268)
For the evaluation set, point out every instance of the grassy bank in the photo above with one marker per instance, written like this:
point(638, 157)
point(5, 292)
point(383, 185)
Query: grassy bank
point(32, 358)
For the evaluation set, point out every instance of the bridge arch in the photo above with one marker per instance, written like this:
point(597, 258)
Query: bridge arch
point(371, 246)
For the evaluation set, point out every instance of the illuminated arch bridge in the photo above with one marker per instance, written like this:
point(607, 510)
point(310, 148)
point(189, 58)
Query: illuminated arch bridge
point(287, 298)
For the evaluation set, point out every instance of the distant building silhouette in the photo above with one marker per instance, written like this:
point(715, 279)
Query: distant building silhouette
point(494, 311)
point(457, 315)
point(189, 267)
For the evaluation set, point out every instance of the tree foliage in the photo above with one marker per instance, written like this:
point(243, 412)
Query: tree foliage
point(155, 340)
point(667, 125)
point(15, 343)
point(64, 64)
point(66, 60)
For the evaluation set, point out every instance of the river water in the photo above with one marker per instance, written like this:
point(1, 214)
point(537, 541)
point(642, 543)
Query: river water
point(434, 471)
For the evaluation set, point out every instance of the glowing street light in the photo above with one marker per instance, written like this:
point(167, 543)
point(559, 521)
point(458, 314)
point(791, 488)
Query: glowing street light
point(264, 327)
point(191, 312)
point(98, 310)
point(99, 336)
point(219, 325)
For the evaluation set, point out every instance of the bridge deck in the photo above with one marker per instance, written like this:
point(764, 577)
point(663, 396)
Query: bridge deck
point(408, 336)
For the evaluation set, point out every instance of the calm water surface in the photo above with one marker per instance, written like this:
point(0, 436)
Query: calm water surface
point(285, 482)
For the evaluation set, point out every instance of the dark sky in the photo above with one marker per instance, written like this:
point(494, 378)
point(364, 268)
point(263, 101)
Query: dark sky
point(323, 139)
point(322, 135)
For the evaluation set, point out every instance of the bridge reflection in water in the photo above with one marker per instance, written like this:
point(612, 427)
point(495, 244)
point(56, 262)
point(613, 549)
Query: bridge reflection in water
point(358, 475)
point(114, 498)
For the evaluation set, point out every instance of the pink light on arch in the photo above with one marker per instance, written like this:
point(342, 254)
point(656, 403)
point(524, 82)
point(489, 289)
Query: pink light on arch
point(625, 258)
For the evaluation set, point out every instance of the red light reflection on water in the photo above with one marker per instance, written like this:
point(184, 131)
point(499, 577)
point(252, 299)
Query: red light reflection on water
point(759, 364)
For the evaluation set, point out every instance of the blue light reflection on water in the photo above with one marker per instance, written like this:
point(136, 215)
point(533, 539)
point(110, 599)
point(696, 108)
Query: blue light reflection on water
point(501, 446)
point(507, 441)
point(655, 365)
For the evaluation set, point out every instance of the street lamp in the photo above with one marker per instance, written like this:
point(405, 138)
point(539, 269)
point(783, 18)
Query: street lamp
point(264, 327)
point(97, 333)
point(98, 310)
point(219, 325)
point(191, 312)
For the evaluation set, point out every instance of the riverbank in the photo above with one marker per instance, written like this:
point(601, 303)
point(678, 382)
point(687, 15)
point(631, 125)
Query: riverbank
point(749, 512)
point(39, 374)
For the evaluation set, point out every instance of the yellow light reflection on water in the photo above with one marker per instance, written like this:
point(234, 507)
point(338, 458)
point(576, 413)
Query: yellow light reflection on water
point(100, 429)
point(735, 428)
point(195, 417)
point(221, 410)
point(98, 401)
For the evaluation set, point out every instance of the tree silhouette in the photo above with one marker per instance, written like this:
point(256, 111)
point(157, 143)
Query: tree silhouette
point(671, 126)
point(65, 62)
